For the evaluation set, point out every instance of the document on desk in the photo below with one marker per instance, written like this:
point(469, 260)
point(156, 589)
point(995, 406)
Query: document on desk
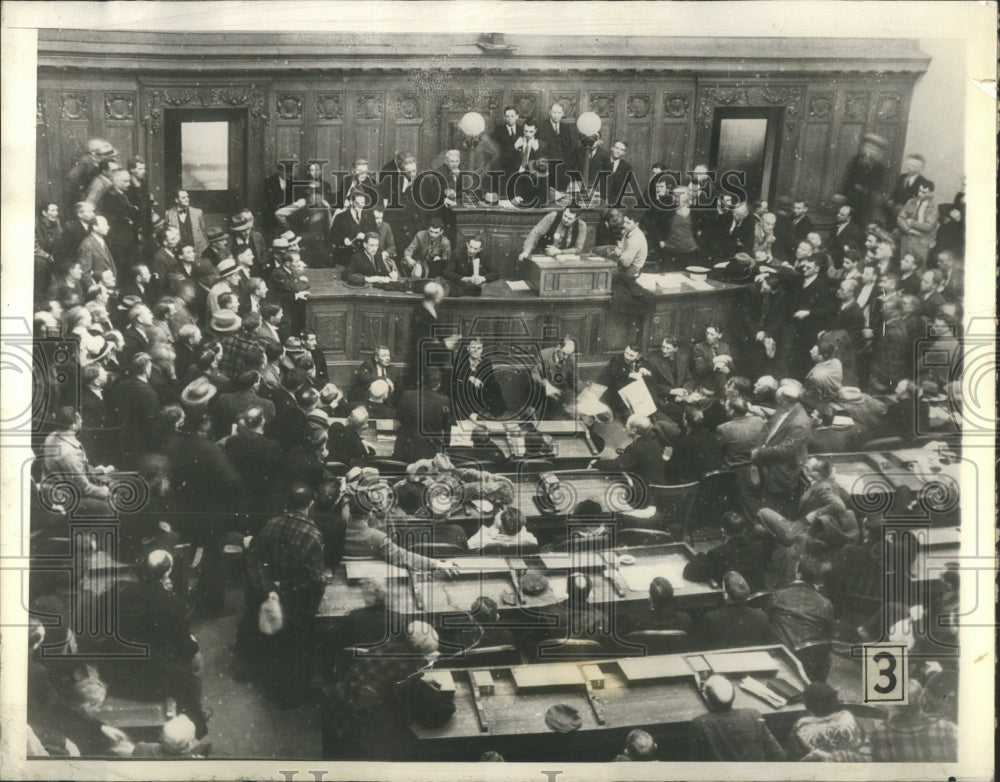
point(518, 285)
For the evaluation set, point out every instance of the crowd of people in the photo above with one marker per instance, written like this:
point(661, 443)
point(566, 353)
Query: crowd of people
point(193, 367)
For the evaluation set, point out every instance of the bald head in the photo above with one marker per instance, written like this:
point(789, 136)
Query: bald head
point(719, 693)
point(422, 638)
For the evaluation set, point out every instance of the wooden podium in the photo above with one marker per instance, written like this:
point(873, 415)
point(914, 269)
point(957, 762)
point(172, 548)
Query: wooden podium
point(552, 278)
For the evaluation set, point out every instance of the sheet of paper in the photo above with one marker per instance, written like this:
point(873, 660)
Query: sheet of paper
point(637, 398)
point(374, 569)
point(518, 285)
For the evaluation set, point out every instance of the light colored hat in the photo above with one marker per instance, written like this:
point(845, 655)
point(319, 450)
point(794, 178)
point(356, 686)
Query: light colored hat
point(227, 267)
point(226, 321)
point(422, 638)
point(178, 735)
point(850, 393)
point(198, 392)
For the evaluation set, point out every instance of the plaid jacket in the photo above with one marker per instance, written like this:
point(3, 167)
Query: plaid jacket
point(287, 556)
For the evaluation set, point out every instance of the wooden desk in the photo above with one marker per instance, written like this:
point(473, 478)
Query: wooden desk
point(573, 445)
point(349, 321)
point(491, 577)
point(504, 231)
point(515, 715)
point(908, 484)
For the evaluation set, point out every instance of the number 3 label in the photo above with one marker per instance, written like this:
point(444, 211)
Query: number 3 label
point(886, 674)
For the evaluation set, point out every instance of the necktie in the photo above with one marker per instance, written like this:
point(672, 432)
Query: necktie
point(510, 131)
point(614, 167)
point(526, 153)
point(921, 210)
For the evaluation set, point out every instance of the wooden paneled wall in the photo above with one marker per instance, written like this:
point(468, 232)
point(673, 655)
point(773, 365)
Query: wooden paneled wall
point(340, 116)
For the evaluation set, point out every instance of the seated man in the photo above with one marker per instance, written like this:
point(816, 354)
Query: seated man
point(468, 269)
point(377, 367)
point(663, 613)
point(344, 440)
point(370, 262)
point(507, 528)
point(625, 368)
point(739, 551)
point(378, 400)
point(639, 748)
point(911, 736)
point(827, 733)
point(556, 374)
point(428, 255)
point(483, 451)
point(557, 232)
point(712, 360)
point(574, 618)
point(150, 614)
point(728, 734)
point(643, 458)
point(475, 388)
point(802, 617)
point(735, 623)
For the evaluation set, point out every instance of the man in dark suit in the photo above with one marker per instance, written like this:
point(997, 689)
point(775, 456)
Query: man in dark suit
point(907, 185)
point(95, 435)
point(189, 221)
point(813, 307)
point(662, 614)
point(289, 288)
point(739, 551)
point(94, 254)
point(668, 371)
point(734, 233)
point(136, 336)
point(277, 188)
point(369, 261)
point(425, 419)
point(735, 623)
point(350, 227)
point(530, 179)
point(779, 459)
point(258, 460)
point(621, 170)
point(135, 405)
point(244, 237)
point(623, 369)
point(802, 224)
point(75, 230)
point(123, 219)
point(378, 367)
point(505, 136)
point(475, 389)
point(468, 269)
point(562, 144)
point(847, 235)
point(484, 452)
point(643, 458)
point(231, 406)
point(574, 618)
point(344, 440)
point(595, 165)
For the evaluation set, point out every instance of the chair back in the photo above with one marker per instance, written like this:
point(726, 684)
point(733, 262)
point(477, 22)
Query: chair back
point(660, 641)
point(637, 536)
point(337, 469)
point(387, 466)
point(674, 503)
point(437, 550)
point(509, 549)
point(483, 657)
point(718, 492)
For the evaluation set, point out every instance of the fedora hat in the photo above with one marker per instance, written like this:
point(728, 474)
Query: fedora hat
point(280, 243)
point(291, 237)
point(215, 234)
point(97, 348)
point(227, 267)
point(225, 322)
point(128, 302)
point(563, 718)
point(293, 345)
point(198, 392)
point(241, 221)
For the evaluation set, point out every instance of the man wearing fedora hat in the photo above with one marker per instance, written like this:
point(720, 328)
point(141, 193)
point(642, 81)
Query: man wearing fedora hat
point(227, 271)
point(224, 322)
point(86, 168)
point(218, 247)
point(135, 405)
point(242, 235)
point(290, 288)
point(237, 347)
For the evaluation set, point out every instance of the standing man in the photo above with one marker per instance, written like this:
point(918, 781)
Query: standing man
point(778, 460)
point(360, 178)
point(285, 559)
point(846, 236)
point(347, 233)
point(123, 220)
point(94, 255)
point(918, 223)
point(189, 222)
point(907, 185)
point(555, 233)
point(563, 147)
point(290, 288)
point(531, 174)
point(242, 234)
point(140, 197)
point(620, 169)
point(506, 136)
point(802, 224)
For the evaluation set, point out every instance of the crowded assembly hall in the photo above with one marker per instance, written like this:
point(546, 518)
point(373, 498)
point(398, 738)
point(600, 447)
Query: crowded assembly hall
point(574, 418)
